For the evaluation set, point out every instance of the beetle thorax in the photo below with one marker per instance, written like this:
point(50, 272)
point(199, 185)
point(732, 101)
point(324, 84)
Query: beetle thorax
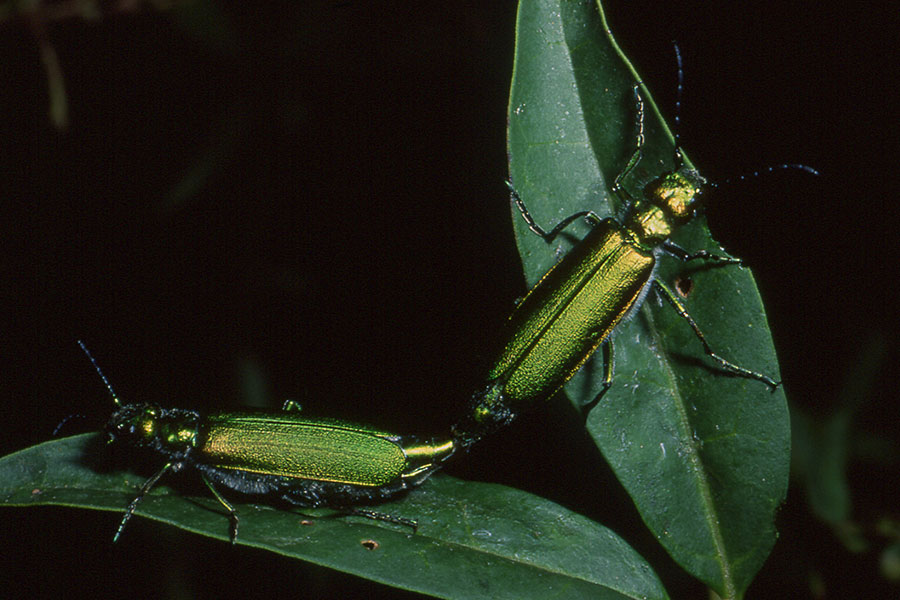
point(649, 224)
point(669, 201)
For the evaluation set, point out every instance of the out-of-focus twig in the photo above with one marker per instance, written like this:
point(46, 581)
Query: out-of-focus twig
point(56, 85)
point(38, 14)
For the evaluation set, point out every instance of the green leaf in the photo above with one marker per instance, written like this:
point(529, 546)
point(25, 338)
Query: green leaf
point(475, 540)
point(704, 455)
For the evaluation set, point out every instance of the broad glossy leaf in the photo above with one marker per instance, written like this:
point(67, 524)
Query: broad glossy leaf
point(704, 455)
point(475, 540)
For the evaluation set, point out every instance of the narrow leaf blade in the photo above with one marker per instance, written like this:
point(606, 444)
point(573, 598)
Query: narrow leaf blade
point(703, 455)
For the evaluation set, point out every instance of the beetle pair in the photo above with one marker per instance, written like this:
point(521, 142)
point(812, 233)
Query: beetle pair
point(573, 310)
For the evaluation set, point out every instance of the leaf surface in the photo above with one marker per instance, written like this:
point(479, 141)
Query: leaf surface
point(704, 455)
point(475, 540)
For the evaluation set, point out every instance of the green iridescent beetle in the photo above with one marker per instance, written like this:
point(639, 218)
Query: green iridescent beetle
point(282, 457)
point(578, 304)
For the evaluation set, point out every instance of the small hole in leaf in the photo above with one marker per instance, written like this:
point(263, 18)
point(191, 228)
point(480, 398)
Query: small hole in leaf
point(369, 544)
point(684, 285)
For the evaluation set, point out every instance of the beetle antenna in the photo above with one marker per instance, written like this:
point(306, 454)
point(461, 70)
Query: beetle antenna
point(100, 373)
point(677, 133)
point(766, 171)
point(66, 420)
point(678, 93)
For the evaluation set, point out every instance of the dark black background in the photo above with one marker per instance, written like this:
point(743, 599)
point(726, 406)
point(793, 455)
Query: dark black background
point(350, 246)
